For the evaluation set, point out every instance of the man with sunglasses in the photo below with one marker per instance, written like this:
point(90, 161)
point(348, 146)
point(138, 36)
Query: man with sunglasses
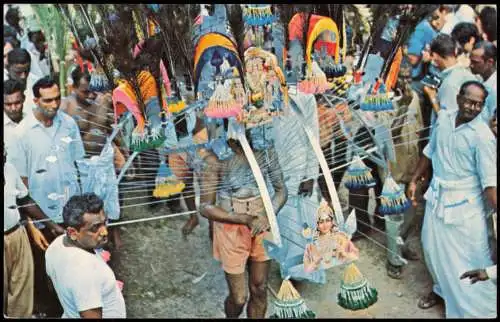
point(46, 145)
point(462, 153)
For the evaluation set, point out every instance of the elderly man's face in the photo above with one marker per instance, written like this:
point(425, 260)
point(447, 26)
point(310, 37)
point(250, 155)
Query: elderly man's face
point(471, 103)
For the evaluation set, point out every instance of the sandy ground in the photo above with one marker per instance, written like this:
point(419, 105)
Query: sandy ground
point(168, 276)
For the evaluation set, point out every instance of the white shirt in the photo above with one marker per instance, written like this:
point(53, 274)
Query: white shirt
point(492, 81)
point(14, 188)
point(53, 149)
point(83, 281)
point(40, 68)
point(492, 272)
point(464, 14)
point(8, 130)
point(491, 101)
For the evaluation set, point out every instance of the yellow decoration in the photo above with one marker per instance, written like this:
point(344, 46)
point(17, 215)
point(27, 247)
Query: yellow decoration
point(138, 30)
point(320, 26)
point(165, 190)
point(352, 274)
point(176, 107)
point(210, 40)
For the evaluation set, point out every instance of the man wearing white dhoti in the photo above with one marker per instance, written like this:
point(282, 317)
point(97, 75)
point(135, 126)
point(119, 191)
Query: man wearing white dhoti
point(454, 234)
point(300, 165)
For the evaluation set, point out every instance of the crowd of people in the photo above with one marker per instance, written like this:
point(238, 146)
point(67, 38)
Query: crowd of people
point(443, 125)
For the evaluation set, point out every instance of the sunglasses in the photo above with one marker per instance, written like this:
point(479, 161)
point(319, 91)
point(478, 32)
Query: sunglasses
point(469, 102)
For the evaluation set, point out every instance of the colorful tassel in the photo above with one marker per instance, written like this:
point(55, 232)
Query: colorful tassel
point(355, 291)
point(166, 183)
point(222, 104)
point(315, 82)
point(99, 82)
point(377, 98)
point(289, 304)
point(393, 199)
point(144, 142)
point(258, 15)
point(358, 175)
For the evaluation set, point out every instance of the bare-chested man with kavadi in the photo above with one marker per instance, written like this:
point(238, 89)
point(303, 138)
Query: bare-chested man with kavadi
point(90, 111)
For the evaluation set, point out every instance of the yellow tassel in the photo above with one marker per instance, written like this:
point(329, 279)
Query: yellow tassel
point(165, 190)
point(352, 274)
point(176, 107)
point(151, 28)
point(287, 292)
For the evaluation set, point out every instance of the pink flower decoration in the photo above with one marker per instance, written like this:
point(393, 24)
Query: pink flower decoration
point(119, 284)
point(106, 256)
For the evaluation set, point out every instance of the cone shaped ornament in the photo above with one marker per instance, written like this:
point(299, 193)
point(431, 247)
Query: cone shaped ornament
point(355, 291)
point(290, 305)
point(358, 175)
point(393, 199)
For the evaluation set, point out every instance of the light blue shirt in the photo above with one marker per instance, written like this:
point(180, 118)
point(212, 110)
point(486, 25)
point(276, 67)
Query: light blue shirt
point(14, 188)
point(491, 101)
point(422, 36)
point(46, 157)
point(452, 79)
point(465, 151)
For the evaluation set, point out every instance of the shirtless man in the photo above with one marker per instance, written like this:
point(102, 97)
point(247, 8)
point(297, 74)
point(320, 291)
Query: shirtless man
point(239, 224)
point(90, 111)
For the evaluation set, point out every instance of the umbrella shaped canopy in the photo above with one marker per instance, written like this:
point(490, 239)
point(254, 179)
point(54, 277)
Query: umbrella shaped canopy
point(317, 25)
point(215, 44)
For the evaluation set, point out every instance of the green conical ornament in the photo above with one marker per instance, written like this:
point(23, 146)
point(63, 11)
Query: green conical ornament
point(290, 305)
point(355, 291)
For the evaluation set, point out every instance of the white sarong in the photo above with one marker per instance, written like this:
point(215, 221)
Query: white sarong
point(455, 240)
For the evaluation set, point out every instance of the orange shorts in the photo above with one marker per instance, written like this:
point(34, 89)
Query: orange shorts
point(178, 162)
point(233, 245)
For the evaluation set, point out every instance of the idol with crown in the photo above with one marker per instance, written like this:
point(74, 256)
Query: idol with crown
point(331, 245)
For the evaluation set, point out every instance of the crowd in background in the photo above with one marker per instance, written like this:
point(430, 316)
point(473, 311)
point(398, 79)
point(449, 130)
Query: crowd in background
point(450, 77)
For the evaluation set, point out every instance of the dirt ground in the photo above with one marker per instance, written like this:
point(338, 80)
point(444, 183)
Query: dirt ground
point(168, 276)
